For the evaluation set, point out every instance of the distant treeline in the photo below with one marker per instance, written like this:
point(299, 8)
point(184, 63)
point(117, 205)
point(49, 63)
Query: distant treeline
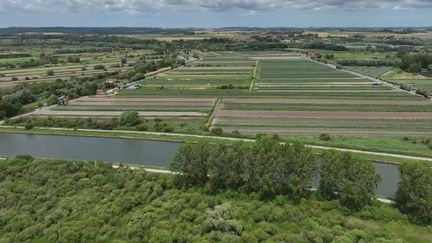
point(324, 46)
point(415, 63)
point(82, 50)
point(93, 30)
point(369, 62)
point(14, 55)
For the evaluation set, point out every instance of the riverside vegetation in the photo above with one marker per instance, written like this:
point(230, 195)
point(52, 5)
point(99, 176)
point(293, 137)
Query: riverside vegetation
point(59, 201)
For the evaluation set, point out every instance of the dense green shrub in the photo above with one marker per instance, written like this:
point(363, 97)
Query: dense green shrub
point(267, 167)
point(59, 201)
point(324, 137)
point(353, 182)
point(130, 119)
point(414, 195)
point(414, 63)
point(216, 131)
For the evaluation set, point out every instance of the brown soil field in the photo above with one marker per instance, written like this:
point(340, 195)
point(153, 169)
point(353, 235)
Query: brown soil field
point(209, 101)
point(104, 118)
point(325, 114)
point(317, 85)
point(128, 103)
point(118, 113)
point(326, 101)
point(217, 68)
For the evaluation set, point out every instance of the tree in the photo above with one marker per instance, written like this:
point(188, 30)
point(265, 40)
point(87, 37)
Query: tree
point(353, 182)
point(414, 68)
point(50, 72)
point(130, 119)
point(191, 164)
point(8, 109)
point(414, 195)
point(226, 165)
point(52, 99)
point(261, 169)
point(298, 167)
point(21, 97)
point(415, 63)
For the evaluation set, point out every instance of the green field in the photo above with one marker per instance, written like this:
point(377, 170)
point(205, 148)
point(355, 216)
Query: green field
point(370, 71)
point(421, 84)
point(344, 104)
point(262, 94)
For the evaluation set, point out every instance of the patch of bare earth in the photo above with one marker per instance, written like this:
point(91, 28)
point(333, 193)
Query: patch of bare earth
point(325, 101)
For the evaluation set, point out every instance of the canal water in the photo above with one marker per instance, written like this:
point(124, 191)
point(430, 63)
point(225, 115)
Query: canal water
point(132, 151)
point(146, 152)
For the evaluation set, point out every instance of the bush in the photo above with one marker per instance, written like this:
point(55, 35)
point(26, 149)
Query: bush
point(130, 119)
point(168, 129)
point(236, 133)
point(405, 87)
point(137, 77)
point(422, 93)
point(216, 131)
point(141, 127)
point(24, 157)
point(324, 137)
point(28, 126)
point(98, 67)
point(50, 73)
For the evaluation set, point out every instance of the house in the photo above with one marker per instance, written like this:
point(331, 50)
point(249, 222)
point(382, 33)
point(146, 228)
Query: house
point(63, 100)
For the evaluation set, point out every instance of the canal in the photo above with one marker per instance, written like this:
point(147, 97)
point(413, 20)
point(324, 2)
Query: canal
point(132, 151)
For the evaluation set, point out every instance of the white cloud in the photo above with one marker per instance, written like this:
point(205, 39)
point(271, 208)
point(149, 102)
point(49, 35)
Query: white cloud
point(248, 6)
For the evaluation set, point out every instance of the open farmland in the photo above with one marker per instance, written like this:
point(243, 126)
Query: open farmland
point(421, 84)
point(311, 98)
point(370, 71)
point(207, 76)
point(111, 61)
point(105, 107)
point(271, 92)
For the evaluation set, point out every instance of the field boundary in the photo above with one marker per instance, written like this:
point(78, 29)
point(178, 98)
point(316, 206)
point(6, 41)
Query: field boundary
point(212, 112)
point(254, 77)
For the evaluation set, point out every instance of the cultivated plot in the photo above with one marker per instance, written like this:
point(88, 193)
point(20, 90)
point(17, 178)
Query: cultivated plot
point(311, 98)
point(105, 107)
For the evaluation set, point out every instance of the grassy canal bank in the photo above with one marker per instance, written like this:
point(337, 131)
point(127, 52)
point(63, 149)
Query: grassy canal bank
point(364, 154)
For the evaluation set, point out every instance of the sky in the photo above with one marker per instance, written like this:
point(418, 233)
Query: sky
point(216, 13)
